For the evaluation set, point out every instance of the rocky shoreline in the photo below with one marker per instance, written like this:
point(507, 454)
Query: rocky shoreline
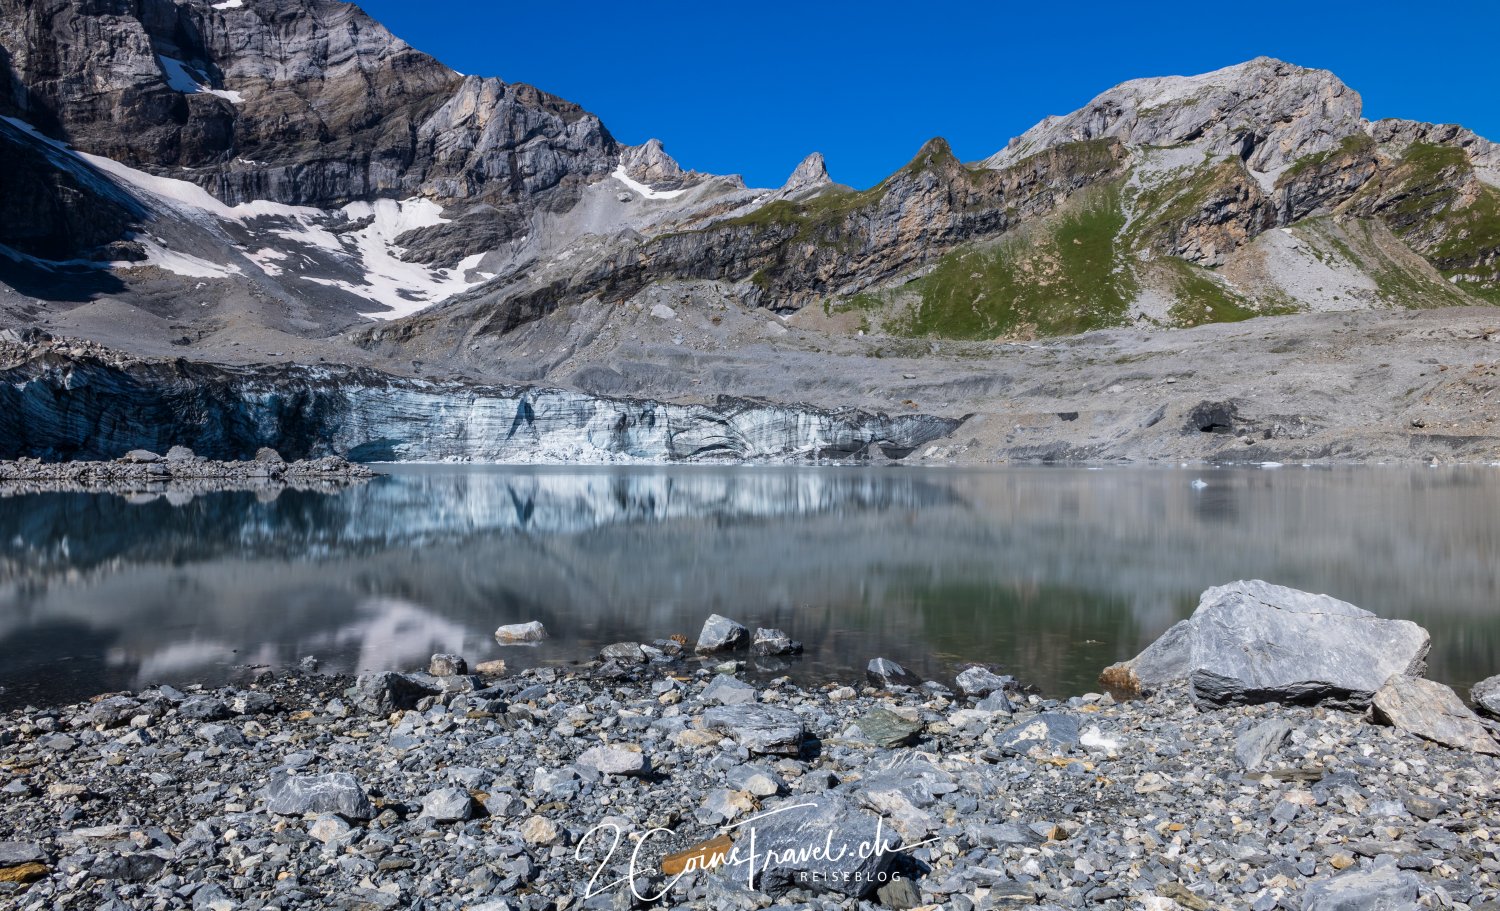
point(452, 790)
point(179, 471)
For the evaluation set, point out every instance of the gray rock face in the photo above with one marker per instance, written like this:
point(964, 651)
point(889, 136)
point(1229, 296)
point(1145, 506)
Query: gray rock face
point(1433, 712)
point(860, 850)
point(759, 728)
point(884, 672)
point(1266, 112)
point(513, 633)
point(15, 853)
point(337, 792)
point(616, 759)
point(382, 694)
point(1251, 642)
point(316, 103)
point(1380, 888)
point(721, 634)
point(1051, 732)
point(1486, 696)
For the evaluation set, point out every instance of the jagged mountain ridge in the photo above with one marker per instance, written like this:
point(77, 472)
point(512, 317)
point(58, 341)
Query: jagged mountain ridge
point(287, 169)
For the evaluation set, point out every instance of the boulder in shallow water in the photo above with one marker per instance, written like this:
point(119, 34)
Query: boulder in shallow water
point(774, 642)
point(1486, 696)
point(721, 634)
point(883, 672)
point(1433, 712)
point(1253, 642)
point(514, 633)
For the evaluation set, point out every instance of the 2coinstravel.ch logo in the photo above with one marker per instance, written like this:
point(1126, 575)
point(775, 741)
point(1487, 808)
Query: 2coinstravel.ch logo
point(812, 862)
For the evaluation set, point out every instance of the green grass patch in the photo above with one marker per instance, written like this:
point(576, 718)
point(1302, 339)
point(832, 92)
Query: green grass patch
point(1068, 280)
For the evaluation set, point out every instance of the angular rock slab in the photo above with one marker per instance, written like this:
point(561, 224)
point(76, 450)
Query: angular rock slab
point(1253, 642)
point(758, 728)
point(616, 759)
point(1486, 696)
point(854, 849)
point(1380, 888)
point(336, 792)
point(981, 681)
point(1257, 744)
point(1433, 712)
point(774, 642)
point(384, 693)
point(721, 634)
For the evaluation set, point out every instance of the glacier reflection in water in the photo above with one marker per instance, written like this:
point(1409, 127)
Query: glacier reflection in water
point(1052, 573)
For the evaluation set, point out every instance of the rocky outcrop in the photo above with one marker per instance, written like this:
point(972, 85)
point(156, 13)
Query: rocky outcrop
point(1265, 112)
point(1251, 642)
point(1486, 696)
point(56, 407)
point(298, 101)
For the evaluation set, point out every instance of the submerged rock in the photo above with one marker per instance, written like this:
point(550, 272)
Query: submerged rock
point(1253, 642)
point(1433, 712)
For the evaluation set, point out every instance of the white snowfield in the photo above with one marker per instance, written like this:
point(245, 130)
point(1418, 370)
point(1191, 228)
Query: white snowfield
point(370, 255)
point(620, 175)
point(189, 81)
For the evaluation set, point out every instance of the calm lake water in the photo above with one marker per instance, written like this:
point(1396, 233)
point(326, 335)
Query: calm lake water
point(1052, 573)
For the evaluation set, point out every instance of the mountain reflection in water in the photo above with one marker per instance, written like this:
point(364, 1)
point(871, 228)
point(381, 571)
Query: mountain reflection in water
point(1051, 573)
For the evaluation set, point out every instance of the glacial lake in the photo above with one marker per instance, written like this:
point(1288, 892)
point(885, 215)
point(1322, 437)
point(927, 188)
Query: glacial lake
point(1050, 573)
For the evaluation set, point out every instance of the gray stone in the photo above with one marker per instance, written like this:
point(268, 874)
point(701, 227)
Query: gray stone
point(758, 728)
point(721, 634)
point(269, 456)
point(130, 868)
point(883, 672)
point(885, 728)
point(520, 633)
point(1251, 642)
point(384, 693)
point(448, 805)
point(1378, 888)
point(1433, 712)
point(141, 457)
point(1049, 732)
point(996, 702)
point(1257, 744)
point(616, 759)
point(204, 708)
point(899, 894)
point(980, 682)
point(774, 642)
point(15, 853)
point(859, 852)
point(447, 666)
point(624, 652)
point(335, 792)
point(1486, 696)
point(251, 702)
point(180, 454)
point(726, 689)
point(758, 780)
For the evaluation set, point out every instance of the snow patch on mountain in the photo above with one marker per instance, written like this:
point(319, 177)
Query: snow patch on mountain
point(189, 81)
point(620, 175)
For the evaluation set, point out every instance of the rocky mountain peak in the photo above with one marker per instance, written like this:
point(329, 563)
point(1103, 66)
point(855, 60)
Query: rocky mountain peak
point(1265, 111)
point(650, 164)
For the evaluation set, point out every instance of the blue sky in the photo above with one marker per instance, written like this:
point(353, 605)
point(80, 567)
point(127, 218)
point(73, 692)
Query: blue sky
point(751, 88)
